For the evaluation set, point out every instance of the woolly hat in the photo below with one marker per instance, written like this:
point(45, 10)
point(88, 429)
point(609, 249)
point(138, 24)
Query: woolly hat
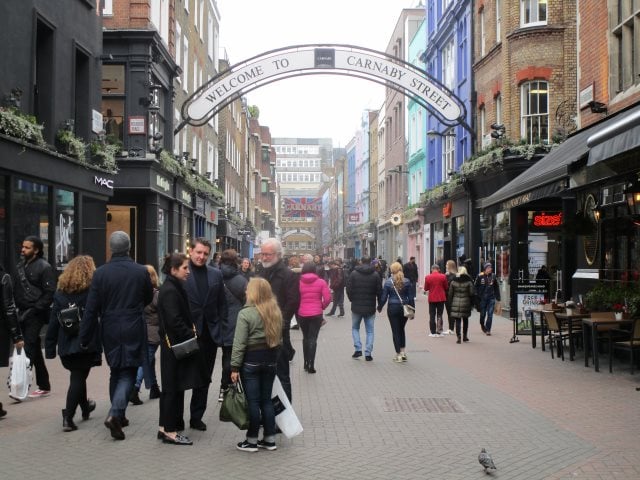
point(487, 265)
point(119, 242)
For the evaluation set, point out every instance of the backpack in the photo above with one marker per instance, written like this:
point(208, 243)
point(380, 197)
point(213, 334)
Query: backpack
point(69, 319)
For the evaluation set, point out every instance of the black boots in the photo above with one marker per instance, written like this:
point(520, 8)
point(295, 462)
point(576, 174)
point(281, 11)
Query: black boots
point(87, 408)
point(134, 397)
point(67, 423)
point(154, 392)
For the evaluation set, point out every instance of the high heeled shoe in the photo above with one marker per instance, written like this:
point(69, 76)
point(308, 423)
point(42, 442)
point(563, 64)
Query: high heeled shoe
point(178, 440)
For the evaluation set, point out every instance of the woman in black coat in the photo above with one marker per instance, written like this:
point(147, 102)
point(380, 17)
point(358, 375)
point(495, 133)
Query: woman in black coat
point(8, 322)
point(176, 326)
point(460, 299)
point(73, 289)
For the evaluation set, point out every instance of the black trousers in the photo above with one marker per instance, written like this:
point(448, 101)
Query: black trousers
point(310, 327)
point(284, 357)
point(465, 326)
point(199, 396)
point(77, 392)
point(171, 410)
point(31, 327)
point(225, 381)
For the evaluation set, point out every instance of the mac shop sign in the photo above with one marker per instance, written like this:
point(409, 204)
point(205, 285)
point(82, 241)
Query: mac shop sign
point(104, 182)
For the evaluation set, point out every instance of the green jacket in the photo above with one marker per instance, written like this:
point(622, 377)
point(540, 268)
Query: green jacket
point(249, 335)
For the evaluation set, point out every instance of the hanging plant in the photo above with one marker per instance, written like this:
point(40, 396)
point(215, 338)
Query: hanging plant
point(104, 154)
point(14, 123)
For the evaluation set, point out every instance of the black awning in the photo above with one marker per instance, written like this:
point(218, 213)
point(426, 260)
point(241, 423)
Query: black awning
point(548, 177)
point(620, 136)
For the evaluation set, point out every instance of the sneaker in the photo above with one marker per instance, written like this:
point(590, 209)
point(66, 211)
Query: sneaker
point(433, 334)
point(39, 393)
point(221, 394)
point(404, 356)
point(368, 358)
point(267, 445)
point(328, 315)
point(356, 354)
point(245, 446)
point(487, 333)
point(397, 359)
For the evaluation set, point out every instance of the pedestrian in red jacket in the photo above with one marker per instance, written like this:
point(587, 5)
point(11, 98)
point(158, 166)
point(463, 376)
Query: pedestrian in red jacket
point(436, 285)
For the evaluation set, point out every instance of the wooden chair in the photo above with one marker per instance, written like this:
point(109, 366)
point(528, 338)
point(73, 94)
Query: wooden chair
point(631, 344)
point(557, 334)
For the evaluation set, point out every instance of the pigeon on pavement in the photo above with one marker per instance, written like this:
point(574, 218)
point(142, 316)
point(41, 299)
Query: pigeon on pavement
point(486, 461)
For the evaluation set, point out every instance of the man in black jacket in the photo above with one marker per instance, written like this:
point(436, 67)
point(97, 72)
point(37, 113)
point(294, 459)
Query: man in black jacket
point(208, 303)
point(286, 290)
point(364, 287)
point(120, 289)
point(337, 283)
point(410, 271)
point(34, 285)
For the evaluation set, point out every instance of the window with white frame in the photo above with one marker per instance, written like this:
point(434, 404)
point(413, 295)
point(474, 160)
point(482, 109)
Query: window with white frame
point(498, 20)
point(210, 36)
point(534, 124)
point(185, 62)
point(196, 14)
point(201, 19)
point(624, 57)
point(498, 104)
point(448, 154)
point(533, 12)
point(178, 48)
point(482, 113)
point(107, 8)
point(448, 65)
point(186, 5)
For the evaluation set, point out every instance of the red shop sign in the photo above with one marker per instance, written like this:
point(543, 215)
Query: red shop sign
point(546, 219)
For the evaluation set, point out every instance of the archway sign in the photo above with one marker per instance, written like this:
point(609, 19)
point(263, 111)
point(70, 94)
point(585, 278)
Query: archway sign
point(316, 59)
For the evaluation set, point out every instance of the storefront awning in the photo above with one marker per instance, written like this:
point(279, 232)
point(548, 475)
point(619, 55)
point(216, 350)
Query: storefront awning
point(620, 136)
point(547, 177)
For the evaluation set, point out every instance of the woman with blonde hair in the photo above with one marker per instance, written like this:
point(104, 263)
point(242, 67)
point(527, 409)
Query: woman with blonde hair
point(450, 273)
point(255, 351)
point(397, 291)
point(73, 289)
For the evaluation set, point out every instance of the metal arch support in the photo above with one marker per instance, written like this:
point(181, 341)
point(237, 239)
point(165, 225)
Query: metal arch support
point(323, 59)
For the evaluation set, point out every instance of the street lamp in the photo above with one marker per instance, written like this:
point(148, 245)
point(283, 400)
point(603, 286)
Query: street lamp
point(435, 133)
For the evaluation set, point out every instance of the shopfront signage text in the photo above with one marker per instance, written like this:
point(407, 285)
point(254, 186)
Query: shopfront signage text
point(542, 219)
point(186, 197)
point(103, 182)
point(446, 210)
point(163, 183)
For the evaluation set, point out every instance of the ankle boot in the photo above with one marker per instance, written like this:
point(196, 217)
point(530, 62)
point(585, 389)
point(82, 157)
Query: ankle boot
point(87, 408)
point(458, 341)
point(306, 366)
point(311, 368)
point(135, 398)
point(3, 412)
point(67, 423)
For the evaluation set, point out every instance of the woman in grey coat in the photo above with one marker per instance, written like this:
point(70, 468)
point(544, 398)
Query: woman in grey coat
point(460, 299)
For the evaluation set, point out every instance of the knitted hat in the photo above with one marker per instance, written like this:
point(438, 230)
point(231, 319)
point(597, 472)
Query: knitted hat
point(119, 242)
point(488, 265)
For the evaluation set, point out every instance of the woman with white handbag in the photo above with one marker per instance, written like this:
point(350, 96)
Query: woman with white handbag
point(8, 321)
point(397, 292)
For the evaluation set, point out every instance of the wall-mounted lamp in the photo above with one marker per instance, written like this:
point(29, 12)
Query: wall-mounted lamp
point(435, 133)
point(633, 200)
point(597, 107)
point(207, 175)
point(185, 158)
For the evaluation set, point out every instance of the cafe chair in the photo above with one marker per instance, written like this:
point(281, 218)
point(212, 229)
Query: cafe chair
point(557, 334)
point(631, 344)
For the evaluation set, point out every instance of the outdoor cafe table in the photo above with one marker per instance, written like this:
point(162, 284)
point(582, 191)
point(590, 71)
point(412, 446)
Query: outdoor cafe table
point(563, 318)
point(593, 326)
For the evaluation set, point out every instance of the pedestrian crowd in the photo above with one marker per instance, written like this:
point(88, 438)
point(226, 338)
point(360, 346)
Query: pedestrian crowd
point(123, 312)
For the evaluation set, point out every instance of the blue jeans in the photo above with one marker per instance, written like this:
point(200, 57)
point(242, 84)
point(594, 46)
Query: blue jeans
point(356, 318)
point(486, 310)
point(257, 380)
point(120, 385)
point(148, 370)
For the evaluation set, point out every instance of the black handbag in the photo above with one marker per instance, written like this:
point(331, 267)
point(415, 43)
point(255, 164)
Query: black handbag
point(69, 319)
point(184, 349)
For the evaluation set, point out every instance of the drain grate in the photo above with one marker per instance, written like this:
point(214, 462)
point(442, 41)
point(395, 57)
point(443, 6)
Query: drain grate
point(421, 405)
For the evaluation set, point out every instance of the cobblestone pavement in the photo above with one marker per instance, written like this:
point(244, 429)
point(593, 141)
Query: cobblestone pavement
point(424, 419)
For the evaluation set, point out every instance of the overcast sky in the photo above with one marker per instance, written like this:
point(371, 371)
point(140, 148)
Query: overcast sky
point(317, 105)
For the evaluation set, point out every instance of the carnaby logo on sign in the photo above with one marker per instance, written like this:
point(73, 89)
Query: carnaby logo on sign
point(163, 183)
point(103, 182)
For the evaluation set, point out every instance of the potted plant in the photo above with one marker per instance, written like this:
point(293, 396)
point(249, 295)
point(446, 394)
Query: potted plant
point(618, 310)
point(70, 144)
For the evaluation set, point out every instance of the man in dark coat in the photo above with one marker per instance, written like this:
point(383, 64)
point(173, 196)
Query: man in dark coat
point(488, 290)
point(208, 304)
point(34, 284)
point(364, 287)
point(119, 291)
point(410, 271)
point(337, 284)
point(235, 284)
point(286, 290)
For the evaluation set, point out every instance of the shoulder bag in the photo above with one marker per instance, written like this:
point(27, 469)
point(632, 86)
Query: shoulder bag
point(235, 407)
point(184, 349)
point(408, 310)
point(31, 293)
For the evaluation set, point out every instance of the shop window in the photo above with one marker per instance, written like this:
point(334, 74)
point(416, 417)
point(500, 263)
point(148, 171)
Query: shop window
point(31, 207)
point(534, 123)
point(624, 19)
point(65, 228)
point(163, 235)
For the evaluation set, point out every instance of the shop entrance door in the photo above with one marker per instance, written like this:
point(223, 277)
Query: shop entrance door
point(123, 217)
point(545, 261)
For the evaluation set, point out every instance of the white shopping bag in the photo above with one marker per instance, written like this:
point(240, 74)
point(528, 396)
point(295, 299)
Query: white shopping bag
point(286, 418)
point(19, 375)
